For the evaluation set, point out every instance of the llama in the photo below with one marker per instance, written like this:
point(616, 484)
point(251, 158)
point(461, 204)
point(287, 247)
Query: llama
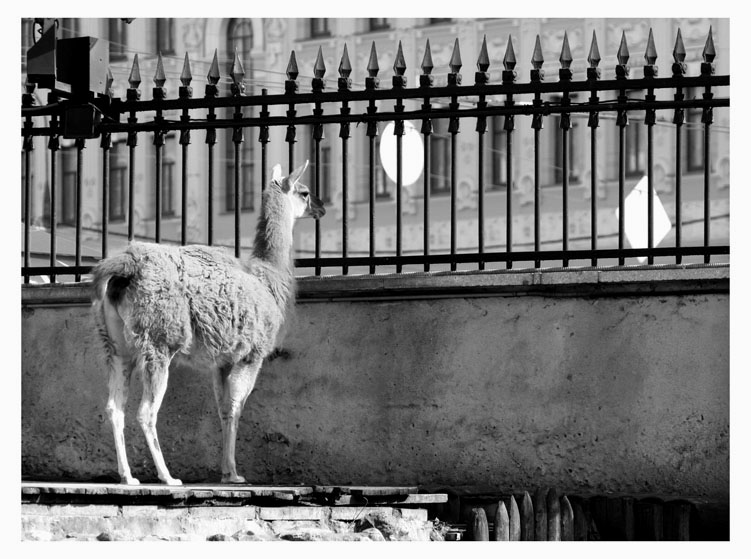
point(203, 306)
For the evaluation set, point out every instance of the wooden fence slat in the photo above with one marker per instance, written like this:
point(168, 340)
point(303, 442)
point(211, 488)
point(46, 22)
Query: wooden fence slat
point(567, 520)
point(541, 515)
point(480, 530)
point(515, 526)
point(501, 521)
point(527, 519)
point(554, 516)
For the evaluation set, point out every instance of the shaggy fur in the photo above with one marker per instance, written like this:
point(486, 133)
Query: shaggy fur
point(153, 302)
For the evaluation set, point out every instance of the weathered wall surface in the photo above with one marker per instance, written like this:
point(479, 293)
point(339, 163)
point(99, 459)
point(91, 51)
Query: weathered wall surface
point(621, 393)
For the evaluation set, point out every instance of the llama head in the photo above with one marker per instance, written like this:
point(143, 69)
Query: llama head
point(304, 203)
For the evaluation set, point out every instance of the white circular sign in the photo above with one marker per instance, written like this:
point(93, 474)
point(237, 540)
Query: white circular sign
point(412, 153)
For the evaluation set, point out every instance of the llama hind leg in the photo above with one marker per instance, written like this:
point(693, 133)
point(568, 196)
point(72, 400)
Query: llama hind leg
point(154, 374)
point(119, 381)
point(232, 386)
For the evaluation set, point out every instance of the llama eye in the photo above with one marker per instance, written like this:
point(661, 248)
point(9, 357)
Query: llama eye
point(305, 194)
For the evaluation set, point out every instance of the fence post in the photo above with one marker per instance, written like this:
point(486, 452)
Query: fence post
point(501, 530)
point(541, 515)
point(480, 531)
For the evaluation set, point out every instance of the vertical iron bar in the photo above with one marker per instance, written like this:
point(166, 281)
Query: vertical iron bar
point(707, 214)
point(131, 186)
point(54, 146)
point(345, 205)
point(398, 198)
point(480, 198)
point(509, 199)
point(453, 201)
point(538, 261)
point(678, 180)
point(650, 194)
point(593, 199)
point(371, 217)
point(453, 130)
point(211, 91)
point(317, 182)
point(158, 145)
point(236, 195)
point(79, 195)
point(28, 146)
point(106, 145)
point(27, 100)
point(184, 198)
point(263, 138)
point(621, 189)
point(564, 192)
point(426, 130)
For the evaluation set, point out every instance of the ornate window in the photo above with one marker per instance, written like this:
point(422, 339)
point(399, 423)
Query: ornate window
point(319, 27)
point(165, 35)
point(378, 23)
point(118, 38)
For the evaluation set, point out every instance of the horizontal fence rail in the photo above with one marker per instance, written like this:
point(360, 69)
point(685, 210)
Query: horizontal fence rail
point(466, 108)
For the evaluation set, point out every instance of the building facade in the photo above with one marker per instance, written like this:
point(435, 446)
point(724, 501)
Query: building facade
point(263, 47)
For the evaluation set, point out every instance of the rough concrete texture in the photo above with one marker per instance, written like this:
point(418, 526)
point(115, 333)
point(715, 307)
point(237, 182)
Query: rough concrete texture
point(129, 523)
point(621, 394)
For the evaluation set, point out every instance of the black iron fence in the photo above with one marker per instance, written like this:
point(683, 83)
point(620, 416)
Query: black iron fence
point(99, 116)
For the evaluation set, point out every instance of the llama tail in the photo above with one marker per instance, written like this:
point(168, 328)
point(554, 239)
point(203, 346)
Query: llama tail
point(112, 276)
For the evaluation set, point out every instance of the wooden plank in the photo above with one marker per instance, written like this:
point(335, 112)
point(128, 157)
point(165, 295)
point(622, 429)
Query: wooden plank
point(418, 499)
point(514, 519)
point(627, 508)
point(480, 530)
point(501, 524)
point(567, 520)
point(527, 519)
point(553, 506)
point(648, 520)
point(581, 524)
point(541, 515)
point(365, 490)
point(676, 520)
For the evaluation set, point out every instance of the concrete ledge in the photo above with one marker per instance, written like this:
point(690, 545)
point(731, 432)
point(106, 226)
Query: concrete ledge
point(593, 282)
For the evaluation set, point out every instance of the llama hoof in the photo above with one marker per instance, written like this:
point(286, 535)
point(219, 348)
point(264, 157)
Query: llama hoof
point(128, 480)
point(172, 481)
point(233, 479)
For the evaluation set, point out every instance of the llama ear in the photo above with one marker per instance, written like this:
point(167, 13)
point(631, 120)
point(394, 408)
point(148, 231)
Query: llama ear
point(295, 175)
point(276, 173)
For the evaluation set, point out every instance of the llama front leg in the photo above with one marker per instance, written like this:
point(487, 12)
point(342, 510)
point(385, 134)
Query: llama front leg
point(232, 386)
point(119, 382)
point(154, 375)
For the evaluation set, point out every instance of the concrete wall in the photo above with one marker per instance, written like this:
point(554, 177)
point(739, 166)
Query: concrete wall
point(617, 386)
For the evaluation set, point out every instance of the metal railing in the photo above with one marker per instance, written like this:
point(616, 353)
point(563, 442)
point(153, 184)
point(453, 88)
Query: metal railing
point(101, 116)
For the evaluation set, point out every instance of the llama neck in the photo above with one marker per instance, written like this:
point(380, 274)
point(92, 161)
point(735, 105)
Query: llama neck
point(273, 242)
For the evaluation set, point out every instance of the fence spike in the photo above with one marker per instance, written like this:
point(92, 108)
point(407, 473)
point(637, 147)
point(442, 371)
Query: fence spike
point(537, 59)
point(399, 64)
point(373, 61)
point(345, 68)
point(515, 527)
point(134, 79)
point(679, 51)
point(509, 58)
point(319, 68)
point(553, 505)
point(108, 81)
point(594, 52)
point(483, 60)
point(623, 51)
point(213, 75)
point(565, 58)
point(651, 53)
point(159, 76)
point(527, 518)
point(427, 60)
point(292, 71)
point(186, 77)
point(238, 72)
point(708, 54)
point(455, 64)
point(567, 520)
